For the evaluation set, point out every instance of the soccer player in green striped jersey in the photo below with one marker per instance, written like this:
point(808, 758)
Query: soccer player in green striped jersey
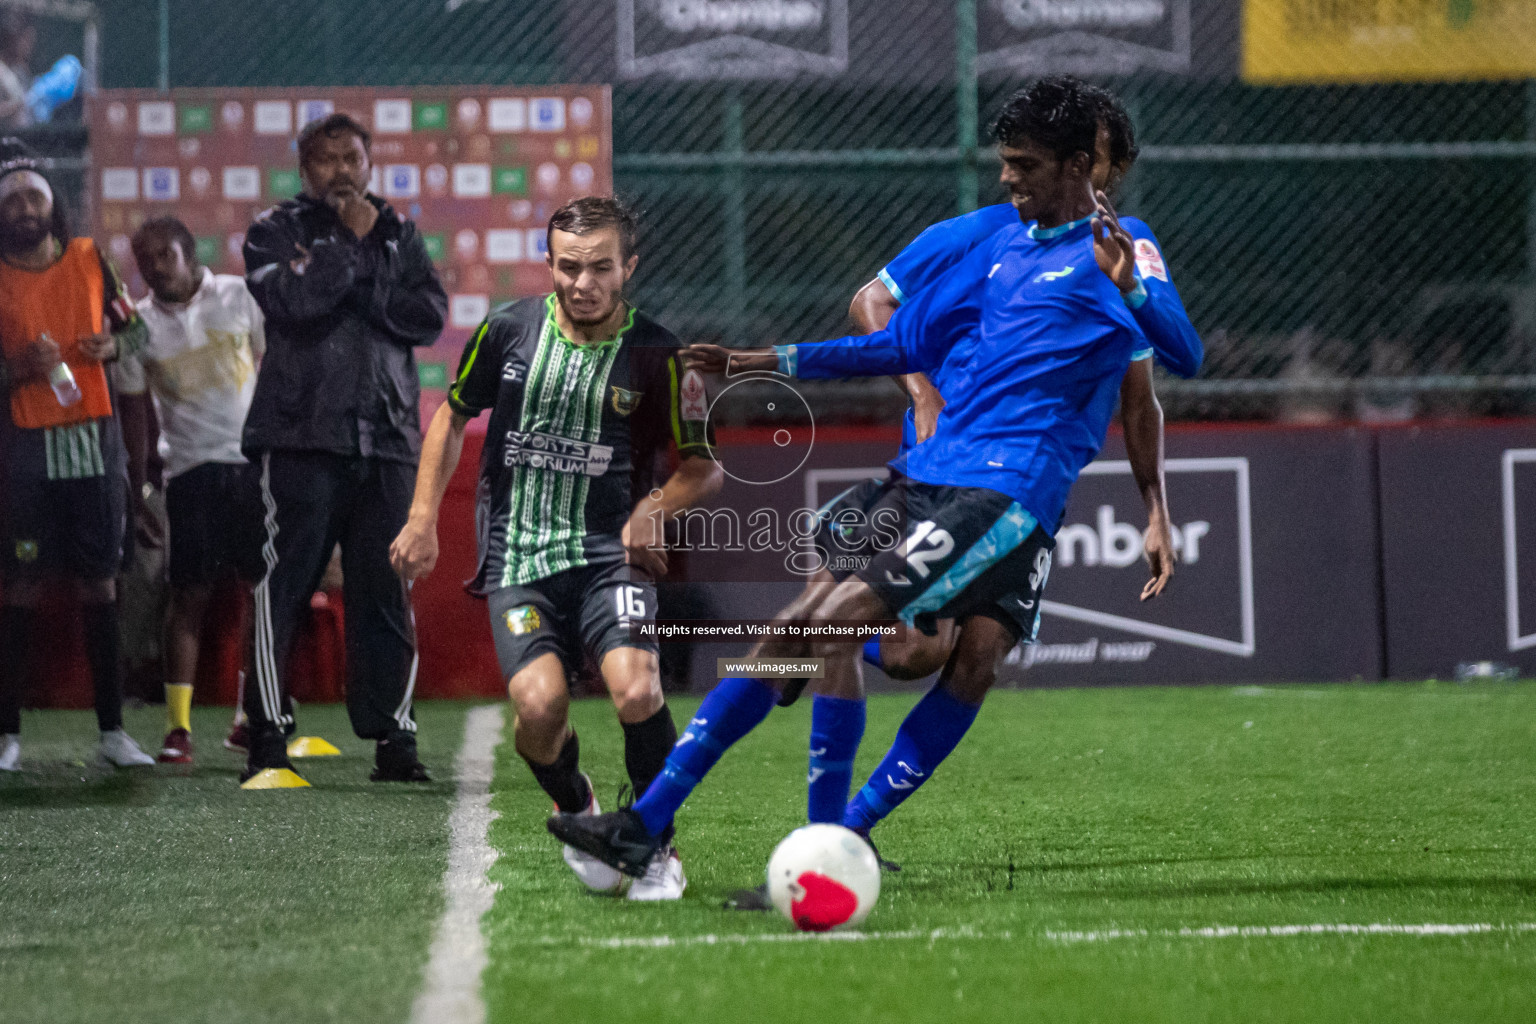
point(585, 392)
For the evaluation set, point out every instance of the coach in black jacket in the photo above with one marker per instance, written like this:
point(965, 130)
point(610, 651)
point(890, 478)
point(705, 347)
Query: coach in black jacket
point(347, 290)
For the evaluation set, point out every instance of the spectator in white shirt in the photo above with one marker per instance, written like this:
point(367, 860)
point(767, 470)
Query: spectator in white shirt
point(199, 364)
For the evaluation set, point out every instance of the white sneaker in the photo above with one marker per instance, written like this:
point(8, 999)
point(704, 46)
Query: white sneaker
point(663, 878)
point(10, 753)
point(594, 874)
point(118, 748)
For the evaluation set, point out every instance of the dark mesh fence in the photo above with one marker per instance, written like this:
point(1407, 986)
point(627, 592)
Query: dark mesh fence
point(1357, 248)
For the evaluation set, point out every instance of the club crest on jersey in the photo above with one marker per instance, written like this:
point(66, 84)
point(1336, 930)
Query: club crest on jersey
point(522, 620)
point(1149, 261)
point(694, 400)
point(625, 401)
point(26, 551)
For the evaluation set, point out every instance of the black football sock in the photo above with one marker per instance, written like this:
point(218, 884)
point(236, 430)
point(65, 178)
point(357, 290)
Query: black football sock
point(562, 780)
point(15, 643)
point(103, 649)
point(646, 746)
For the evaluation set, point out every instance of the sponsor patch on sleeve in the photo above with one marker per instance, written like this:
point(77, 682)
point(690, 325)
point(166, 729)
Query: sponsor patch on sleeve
point(1149, 261)
point(695, 403)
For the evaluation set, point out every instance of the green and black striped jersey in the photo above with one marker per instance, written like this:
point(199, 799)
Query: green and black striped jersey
point(574, 435)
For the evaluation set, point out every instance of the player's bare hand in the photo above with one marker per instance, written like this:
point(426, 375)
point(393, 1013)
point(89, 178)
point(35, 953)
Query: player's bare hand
point(644, 546)
point(1157, 544)
point(413, 554)
point(925, 416)
point(100, 347)
point(1113, 247)
point(728, 361)
point(37, 359)
point(147, 527)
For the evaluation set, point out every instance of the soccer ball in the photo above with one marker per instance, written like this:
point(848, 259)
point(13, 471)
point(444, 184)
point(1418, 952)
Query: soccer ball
point(823, 877)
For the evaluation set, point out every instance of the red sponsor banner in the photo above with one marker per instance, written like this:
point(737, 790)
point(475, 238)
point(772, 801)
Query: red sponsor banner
point(478, 168)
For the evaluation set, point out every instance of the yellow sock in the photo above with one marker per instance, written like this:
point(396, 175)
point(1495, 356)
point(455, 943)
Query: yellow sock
point(178, 707)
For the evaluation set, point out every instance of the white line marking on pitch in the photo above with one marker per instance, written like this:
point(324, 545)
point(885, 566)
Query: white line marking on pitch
point(1106, 935)
point(451, 994)
point(1287, 930)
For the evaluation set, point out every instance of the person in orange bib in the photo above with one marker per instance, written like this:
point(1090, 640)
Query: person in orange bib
point(63, 479)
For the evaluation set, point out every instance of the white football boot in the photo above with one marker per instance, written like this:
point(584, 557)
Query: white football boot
point(10, 753)
point(118, 748)
point(663, 878)
point(594, 874)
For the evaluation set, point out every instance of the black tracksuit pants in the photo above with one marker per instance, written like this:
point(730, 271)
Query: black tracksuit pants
point(312, 501)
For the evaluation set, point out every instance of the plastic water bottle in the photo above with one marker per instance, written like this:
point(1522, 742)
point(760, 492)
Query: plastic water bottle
point(63, 382)
point(54, 87)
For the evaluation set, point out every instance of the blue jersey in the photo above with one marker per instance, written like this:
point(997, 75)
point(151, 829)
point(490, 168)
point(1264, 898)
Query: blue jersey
point(932, 254)
point(1037, 340)
point(942, 246)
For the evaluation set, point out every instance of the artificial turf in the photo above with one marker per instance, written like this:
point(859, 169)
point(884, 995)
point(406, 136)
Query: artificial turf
point(1079, 811)
point(169, 894)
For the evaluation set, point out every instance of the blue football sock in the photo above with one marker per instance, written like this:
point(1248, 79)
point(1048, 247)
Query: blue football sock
point(837, 726)
point(872, 653)
point(731, 710)
point(930, 731)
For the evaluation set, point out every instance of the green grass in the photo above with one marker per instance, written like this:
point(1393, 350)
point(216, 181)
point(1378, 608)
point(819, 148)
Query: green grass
point(170, 895)
point(1064, 811)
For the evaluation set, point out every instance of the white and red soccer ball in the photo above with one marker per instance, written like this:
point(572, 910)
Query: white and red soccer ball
point(823, 877)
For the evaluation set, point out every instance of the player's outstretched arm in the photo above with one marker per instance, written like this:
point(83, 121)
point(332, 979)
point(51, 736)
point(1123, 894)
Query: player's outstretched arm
point(413, 553)
point(728, 362)
point(695, 480)
point(871, 310)
point(1136, 266)
point(1142, 417)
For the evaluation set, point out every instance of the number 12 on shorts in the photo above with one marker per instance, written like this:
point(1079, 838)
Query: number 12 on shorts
point(925, 546)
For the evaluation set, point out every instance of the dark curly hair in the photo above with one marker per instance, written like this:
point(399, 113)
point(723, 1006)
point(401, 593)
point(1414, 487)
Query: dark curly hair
point(1061, 114)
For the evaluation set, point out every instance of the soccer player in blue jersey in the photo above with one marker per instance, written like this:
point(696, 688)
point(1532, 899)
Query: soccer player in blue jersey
point(937, 249)
point(1034, 331)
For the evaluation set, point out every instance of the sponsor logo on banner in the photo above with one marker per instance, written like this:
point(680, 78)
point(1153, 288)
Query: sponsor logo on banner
point(391, 116)
point(695, 400)
point(732, 38)
point(468, 310)
point(1098, 563)
point(1358, 41)
point(1083, 36)
point(157, 118)
point(1149, 261)
point(306, 111)
point(503, 245)
point(472, 181)
point(120, 184)
point(546, 114)
point(507, 115)
point(536, 245)
point(1519, 494)
point(273, 117)
point(402, 181)
point(162, 184)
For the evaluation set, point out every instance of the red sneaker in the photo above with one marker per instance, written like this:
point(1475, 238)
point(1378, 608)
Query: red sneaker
point(177, 748)
point(239, 738)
